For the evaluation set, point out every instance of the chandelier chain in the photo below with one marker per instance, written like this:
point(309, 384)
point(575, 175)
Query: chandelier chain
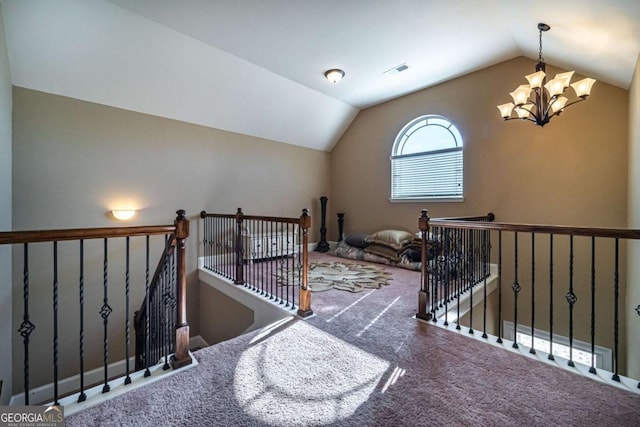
point(540, 58)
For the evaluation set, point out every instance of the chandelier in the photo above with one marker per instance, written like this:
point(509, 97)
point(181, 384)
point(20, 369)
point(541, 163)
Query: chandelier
point(533, 102)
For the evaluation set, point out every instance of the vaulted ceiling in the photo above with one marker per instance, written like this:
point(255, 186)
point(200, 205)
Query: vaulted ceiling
point(256, 66)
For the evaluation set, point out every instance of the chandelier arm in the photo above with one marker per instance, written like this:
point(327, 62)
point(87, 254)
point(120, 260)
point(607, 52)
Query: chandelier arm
point(568, 105)
point(550, 103)
point(532, 117)
point(520, 118)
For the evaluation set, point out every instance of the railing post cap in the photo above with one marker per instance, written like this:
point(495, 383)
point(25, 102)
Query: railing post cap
point(203, 214)
point(424, 213)
point(182, 224)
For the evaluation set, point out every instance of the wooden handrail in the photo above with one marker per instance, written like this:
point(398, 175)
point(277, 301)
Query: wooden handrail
point(488, 217)
point(32, 236)
point(204, 214)
point(620, 233)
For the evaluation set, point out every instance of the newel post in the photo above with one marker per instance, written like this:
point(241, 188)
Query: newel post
point(181, 357)
point(239, 249)
point(423, 295)
point(305, 292)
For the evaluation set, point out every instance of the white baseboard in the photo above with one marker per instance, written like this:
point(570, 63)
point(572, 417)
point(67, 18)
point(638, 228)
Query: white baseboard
point(94, 394)
point(197, 342)
point(45, 392)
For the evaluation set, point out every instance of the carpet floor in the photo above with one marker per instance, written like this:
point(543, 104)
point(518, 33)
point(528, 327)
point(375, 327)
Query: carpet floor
point(364, 361)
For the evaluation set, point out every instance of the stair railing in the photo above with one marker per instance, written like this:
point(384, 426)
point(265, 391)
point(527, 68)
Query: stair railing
point(175, 236)
point(453, 262)
point(566, 279)
point(268, 255)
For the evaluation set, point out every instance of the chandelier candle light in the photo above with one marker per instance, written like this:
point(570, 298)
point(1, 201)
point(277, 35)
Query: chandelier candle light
point(533, 102)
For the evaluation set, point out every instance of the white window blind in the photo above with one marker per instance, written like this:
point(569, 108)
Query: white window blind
point(427, 161)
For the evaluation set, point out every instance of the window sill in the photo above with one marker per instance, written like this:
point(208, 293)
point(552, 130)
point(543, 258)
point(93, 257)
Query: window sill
point(429, 200)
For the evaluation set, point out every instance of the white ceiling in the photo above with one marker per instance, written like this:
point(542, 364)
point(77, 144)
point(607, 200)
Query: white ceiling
point(256, 66)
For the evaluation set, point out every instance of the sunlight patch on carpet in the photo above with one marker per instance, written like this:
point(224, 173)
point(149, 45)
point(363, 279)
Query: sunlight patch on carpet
point(283, 379)
point(352, 277)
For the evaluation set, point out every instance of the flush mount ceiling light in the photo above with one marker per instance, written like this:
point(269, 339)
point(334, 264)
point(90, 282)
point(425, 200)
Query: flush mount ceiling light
point(533, 102)
point(334, 75)
point(123, 215)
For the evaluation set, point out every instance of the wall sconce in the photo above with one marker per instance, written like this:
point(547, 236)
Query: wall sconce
point(123, 214)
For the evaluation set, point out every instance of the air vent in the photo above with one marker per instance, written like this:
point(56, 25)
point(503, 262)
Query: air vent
point(397, 69)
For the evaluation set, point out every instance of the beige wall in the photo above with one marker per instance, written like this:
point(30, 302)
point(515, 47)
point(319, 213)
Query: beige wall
point(74, 161)
point(572, 171)
point(633, 289)
point(5, 220)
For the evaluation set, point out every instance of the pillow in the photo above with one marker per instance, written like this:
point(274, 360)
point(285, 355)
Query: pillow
point(358, 240)
point(412, 253)
point(396, 239)
point(383, 251)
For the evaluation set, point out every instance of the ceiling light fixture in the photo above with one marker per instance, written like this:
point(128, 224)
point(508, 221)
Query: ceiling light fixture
point(334, 75)
point(532, 102)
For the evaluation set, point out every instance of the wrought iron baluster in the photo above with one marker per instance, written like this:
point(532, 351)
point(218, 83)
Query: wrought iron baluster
point(166, 303)
point(516, 289)
point(469, 276)
point(55, 323)
point(485, 250)
point(592, 368)
point(285, 252)
point(532, 350)
point(127, 327)
point(105, 311)
point(448, 272)
point(638, 311)
point(551, 357)
point(26, 327)
point(205, 242)
point(147, 316)
point(616, 287)
point(571, 299)
point(240, 249)
point(173, 289)
point(440, 280)
point(82, 396)
point(500, 332)
point(299, 265)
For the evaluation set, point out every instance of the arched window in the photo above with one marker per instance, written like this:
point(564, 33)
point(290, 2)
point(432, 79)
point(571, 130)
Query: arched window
point(426, 161)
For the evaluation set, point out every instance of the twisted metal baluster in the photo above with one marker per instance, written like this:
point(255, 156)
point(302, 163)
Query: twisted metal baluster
point(82, 397)
point(127, 379)
point(571, 299)
point(26, 327)
point(147, 320)
point(616, 284)
point(516, 289)
point(105, 311)
point(55, 323)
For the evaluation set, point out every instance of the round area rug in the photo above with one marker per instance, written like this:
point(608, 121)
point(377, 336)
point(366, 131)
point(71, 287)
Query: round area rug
point(350, 277)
